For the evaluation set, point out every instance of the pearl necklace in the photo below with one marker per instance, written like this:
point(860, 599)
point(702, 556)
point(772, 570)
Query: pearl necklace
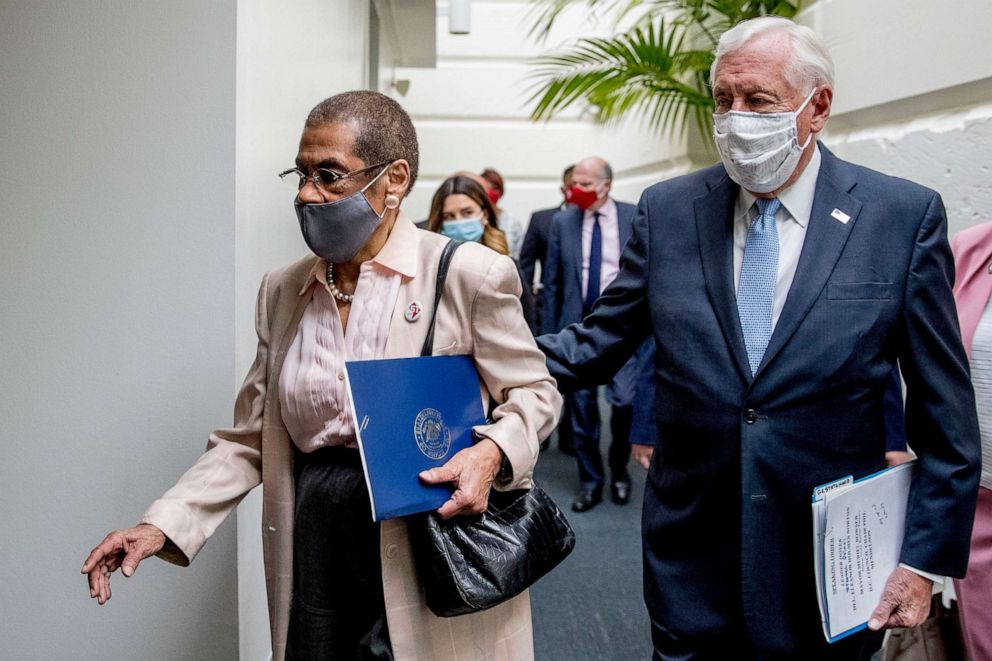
point(335, 292)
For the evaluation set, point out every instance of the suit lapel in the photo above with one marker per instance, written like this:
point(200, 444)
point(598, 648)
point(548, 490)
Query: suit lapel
point(715, 229)
point(574, 239)
point(406, 338)
point(822, 247)
point(625, 221)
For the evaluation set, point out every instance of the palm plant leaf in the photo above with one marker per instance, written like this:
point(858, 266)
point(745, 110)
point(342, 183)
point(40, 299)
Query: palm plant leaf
point(716, 16)
point(648, 71)
point(659, 68)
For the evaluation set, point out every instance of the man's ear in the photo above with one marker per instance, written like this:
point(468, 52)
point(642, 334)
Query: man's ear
point(821, 102)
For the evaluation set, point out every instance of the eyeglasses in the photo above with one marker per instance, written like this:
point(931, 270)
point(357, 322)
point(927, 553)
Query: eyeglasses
point(323, 178)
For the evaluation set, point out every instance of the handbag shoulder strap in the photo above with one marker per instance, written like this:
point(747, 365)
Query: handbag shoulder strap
point(442, 274)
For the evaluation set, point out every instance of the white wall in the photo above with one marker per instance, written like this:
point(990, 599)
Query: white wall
point(116, 314)
point(290, 56)
point(913, 95)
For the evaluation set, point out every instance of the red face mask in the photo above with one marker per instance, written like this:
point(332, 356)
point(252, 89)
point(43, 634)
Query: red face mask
point(581, 197)
point(494, 195)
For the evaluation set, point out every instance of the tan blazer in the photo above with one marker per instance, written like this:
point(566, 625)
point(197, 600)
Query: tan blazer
point(480, 315)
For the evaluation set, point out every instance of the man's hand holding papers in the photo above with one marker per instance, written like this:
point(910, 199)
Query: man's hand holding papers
point(858, 529)
point(905, 601)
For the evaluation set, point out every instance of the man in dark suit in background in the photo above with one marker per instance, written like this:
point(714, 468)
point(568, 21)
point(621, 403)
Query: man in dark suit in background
point(535, 244)
point(585, 241)
point(781, 287)
point(533, 252)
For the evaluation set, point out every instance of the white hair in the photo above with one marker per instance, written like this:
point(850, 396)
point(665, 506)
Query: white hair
point(810, 64)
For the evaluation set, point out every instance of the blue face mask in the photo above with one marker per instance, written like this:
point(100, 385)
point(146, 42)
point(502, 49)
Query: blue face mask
point(466, 229)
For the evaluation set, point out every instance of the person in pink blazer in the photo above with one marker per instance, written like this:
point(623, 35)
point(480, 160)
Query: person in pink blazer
point(339, 585)
point(972, 290)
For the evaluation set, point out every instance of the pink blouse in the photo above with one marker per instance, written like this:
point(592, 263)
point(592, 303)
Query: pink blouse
point(312, 389)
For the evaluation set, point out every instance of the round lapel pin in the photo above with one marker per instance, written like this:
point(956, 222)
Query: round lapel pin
point(413, 311)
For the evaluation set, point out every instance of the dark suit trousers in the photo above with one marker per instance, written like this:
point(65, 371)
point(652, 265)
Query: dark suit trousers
point(338, 610)
point(583, 410)
point(668, 647)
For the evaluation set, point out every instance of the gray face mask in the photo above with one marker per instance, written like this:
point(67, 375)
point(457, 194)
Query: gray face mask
point(337, 230)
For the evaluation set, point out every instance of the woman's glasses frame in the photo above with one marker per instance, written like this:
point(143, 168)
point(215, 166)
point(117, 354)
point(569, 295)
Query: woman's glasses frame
point(323, 178)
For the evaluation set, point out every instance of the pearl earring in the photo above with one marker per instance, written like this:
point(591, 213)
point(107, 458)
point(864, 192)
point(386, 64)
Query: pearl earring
point(392, 201)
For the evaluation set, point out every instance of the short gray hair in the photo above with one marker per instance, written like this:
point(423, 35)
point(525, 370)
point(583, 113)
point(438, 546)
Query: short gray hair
point(810, 63)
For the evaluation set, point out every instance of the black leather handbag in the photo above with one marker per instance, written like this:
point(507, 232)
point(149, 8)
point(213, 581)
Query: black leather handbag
point(471, 563)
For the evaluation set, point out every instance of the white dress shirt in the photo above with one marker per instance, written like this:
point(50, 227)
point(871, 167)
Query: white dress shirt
point(609, 225)
point(981, 378)
point(790, 221)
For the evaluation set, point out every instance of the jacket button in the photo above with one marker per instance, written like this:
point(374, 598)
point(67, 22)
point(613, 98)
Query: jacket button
point(750, 416)
point(391, 551)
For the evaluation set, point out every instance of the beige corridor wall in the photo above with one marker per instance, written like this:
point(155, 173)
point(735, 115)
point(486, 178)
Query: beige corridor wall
point(116, 314)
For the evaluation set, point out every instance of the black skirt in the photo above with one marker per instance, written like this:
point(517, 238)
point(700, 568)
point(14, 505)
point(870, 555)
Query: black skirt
point(338, 610)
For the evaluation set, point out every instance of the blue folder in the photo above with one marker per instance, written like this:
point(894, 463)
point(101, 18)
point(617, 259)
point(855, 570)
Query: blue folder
point(411, 414)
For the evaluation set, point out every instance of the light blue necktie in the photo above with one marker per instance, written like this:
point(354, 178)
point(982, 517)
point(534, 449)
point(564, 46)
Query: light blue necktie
point(756, 289)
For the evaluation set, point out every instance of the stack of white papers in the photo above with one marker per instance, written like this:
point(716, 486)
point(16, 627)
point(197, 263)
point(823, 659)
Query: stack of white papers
point(858, 528)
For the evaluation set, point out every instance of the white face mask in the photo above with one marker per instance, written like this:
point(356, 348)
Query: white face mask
point(759, 150)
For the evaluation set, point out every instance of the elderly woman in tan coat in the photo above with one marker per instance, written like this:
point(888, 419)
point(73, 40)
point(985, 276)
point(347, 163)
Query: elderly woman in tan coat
point(340, 586)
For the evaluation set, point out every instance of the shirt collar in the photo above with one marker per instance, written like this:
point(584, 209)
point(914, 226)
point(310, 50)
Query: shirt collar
point(797, 198)
point(399, 254)
point(608, 208)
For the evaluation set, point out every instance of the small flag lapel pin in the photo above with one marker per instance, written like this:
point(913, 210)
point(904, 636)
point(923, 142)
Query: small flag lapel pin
point(840, 215)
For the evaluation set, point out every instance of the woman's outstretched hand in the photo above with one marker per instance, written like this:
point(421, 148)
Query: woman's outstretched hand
point(472, 471)
point(124, 549)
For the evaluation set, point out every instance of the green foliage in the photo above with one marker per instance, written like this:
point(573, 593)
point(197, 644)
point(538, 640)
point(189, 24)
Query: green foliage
point(657, 69)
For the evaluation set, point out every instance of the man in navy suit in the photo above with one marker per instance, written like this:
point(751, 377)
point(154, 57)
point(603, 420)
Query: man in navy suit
point(533, 252)
point(535, 245)
point(781, 287)
point(583, 256)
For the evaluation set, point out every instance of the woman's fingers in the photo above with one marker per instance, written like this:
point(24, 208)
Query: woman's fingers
point(472, 471)
point(135, 555)
point(471, 496)
point(92, 579)
point(101, 562)
point(441, 474)
point(101, 597)
point(121, 549)
point(111, 544)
